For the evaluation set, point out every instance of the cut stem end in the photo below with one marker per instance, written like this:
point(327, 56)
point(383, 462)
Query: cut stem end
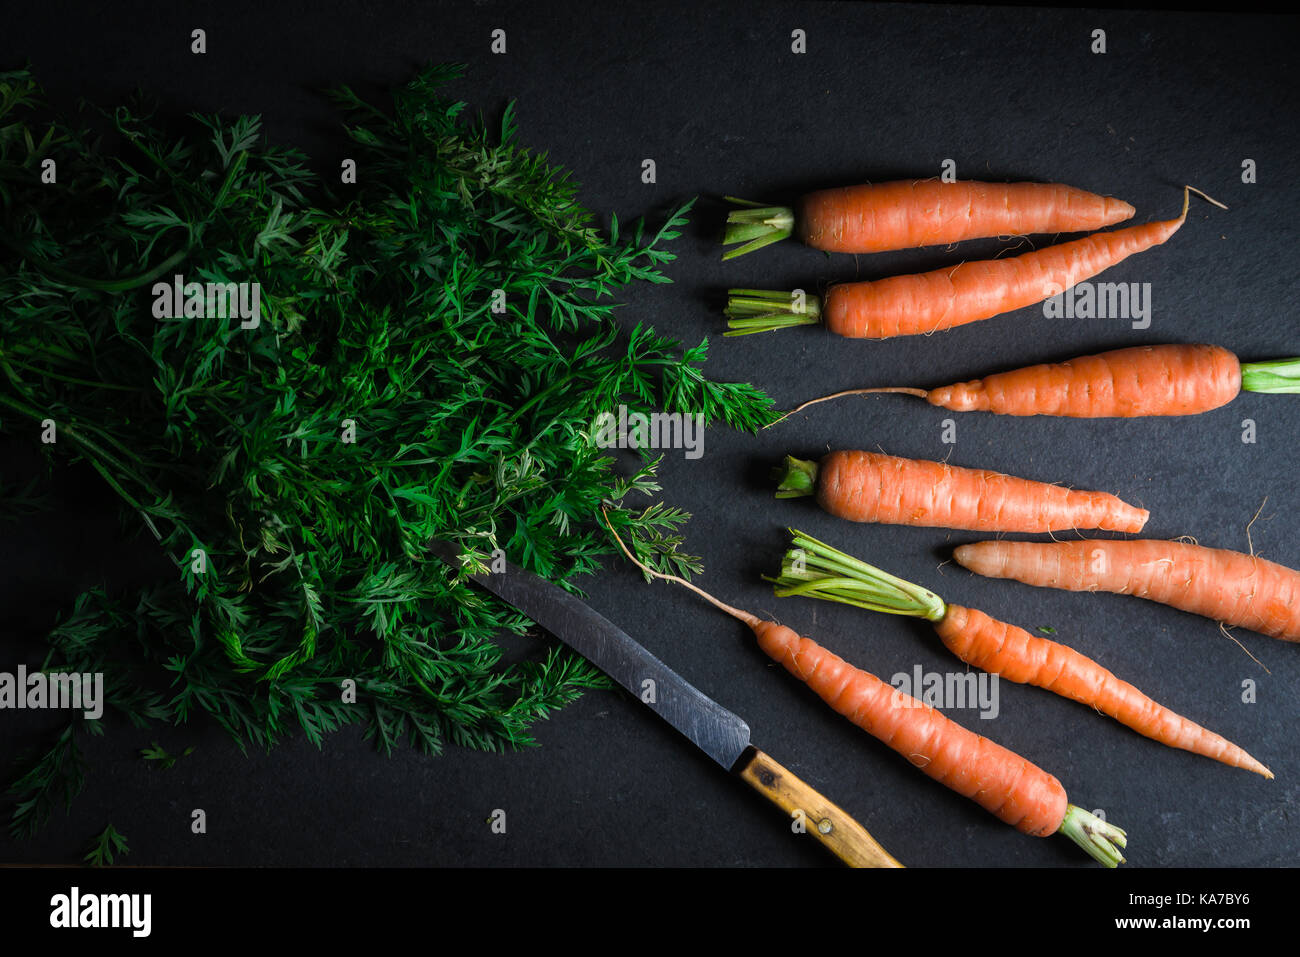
point(814, 569)
point(755, 226)
point(795, 478)
point(766, 310)
point(1102, 841)
point(1275, 376)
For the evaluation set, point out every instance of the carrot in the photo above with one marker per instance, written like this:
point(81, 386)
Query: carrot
point(1231, 587)
point(817, 570)
point(925, 212)
point(1015, 790)
point(871, 487)
point(1122, 383)
point(942, 299)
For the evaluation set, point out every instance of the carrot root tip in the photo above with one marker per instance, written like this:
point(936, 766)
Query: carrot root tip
point(919, 393)
point(1209, 199)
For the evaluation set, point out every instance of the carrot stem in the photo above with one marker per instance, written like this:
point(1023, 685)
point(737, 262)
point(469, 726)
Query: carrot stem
point(736, 613)
point(816, 570)
point(1275, 376)
point(1101, 840)
point(796, 478)
point(766, 310)
point(755, 226)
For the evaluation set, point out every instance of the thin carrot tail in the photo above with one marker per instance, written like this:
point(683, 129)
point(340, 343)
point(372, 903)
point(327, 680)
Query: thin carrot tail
point(1208, 199)
point(1248, 763)
point(1171, 225)
point(919, 393)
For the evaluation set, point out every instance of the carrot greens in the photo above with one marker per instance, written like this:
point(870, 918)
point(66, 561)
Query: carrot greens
point(106, 847)
point(431, 346)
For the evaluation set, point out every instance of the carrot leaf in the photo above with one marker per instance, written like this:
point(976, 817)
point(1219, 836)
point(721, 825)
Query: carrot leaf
point(106, 847)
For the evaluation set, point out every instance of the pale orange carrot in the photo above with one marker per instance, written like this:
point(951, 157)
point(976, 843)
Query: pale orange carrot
point(944, 298)
point(1002, 782)
point(908, 213)
point(1231, 587)
point(1122, 383)
point(1015, 654)
point(872, 487)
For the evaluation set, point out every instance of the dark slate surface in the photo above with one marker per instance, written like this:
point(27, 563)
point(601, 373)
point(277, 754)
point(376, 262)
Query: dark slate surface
point(717, 99)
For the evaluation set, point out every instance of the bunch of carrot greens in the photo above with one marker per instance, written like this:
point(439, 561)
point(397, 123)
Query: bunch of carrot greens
point(294, 471)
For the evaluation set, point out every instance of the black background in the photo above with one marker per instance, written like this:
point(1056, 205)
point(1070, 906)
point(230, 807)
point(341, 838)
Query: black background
point(718, 100)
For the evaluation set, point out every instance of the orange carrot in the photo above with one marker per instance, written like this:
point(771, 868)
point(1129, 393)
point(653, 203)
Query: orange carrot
point(1018, 792)
point(910, 213)
point(1122, 383)
point(871, 487)
point(814, 569)
point(1000, 781)
point(1231, 587)
point(945, 298)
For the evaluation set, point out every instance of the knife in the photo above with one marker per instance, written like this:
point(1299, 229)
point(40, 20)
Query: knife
point(717, 732)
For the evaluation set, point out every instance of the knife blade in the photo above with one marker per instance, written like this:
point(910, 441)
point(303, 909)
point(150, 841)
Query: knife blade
point(716, 731)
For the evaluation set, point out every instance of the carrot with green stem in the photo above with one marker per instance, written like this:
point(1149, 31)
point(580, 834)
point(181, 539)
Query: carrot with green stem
point(872, 487)
point(1230, 587)
point(816, 570)
point(905, 214)
point(1123, 383)
point(942, 299)
point(1007, 785)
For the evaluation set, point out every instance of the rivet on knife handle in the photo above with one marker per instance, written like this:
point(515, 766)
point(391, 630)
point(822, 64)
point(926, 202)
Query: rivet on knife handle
point(828, 822)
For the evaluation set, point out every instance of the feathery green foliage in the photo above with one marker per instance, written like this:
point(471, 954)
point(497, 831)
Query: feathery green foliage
point(106, 847)
point(161, 757)
point(471, 426)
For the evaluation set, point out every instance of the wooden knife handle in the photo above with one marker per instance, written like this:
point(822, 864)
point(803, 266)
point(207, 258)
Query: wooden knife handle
point(829, 823)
